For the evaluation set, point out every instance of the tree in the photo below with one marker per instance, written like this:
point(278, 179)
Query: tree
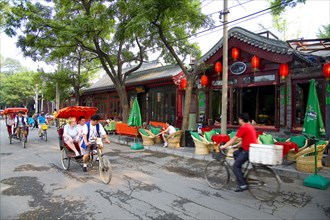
point(281, 5)
point(174, 22)
point(325, 33)
point(18, 89)
point(10, 66)
point(97, 26)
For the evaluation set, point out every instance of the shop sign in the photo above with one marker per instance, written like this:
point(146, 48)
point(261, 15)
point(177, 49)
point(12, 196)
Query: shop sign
point(140, 89)
point(238, 68)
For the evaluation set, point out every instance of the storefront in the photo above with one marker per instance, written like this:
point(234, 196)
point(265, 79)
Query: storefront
point(255, 84)
point(153, 86)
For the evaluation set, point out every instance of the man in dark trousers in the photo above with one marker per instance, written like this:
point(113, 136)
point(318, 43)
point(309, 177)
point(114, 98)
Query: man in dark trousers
point(248, 135)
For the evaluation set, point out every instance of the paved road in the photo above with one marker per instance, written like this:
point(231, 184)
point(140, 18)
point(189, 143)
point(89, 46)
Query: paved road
point(145, 185)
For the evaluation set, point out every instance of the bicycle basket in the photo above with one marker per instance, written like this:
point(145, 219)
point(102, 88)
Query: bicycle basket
point(44, 127)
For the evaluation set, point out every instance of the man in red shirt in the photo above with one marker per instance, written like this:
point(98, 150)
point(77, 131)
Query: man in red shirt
point(248, 135)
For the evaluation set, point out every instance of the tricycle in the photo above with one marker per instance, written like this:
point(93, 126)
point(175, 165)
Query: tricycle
point(95, 155)
point(22, 130)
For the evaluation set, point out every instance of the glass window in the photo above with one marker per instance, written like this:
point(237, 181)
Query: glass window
point(265, 78)
point(259, 102)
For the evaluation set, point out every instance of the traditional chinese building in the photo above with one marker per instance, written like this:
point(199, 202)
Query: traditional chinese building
point(255, 85)
point(152, 84)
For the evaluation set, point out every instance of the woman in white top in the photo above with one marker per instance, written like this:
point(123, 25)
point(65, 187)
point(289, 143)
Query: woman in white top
point(168, 131)
point(10, 122)
point(71, 135)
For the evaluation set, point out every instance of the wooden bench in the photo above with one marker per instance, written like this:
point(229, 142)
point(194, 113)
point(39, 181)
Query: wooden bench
point(124, 129)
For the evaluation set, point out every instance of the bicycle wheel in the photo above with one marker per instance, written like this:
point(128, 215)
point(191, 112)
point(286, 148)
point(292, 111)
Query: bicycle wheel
point(263, 183)
point(216, 174)
point(65, 159)
point(45, 135)
point(23, 139)
point(105, 169)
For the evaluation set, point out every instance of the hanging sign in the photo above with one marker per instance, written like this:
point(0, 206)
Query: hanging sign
point(238, 68)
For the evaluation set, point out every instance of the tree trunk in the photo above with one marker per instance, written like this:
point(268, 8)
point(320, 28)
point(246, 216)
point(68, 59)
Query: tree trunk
point(187, 103)
point(77, 95)
point(121, 90)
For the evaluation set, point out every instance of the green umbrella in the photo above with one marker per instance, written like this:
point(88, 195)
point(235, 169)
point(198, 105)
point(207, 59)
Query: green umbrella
point(135, 116)
point(314, 127)
point(136, 121)
point(313, 123)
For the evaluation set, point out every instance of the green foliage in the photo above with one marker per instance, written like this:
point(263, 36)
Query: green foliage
point(10, 66)
point(18, 88)
point(281, 5)
point(324, 32)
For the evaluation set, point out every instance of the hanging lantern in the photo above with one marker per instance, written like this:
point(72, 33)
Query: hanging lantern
point(235, 53)
point(218, 68)
point(204, 80)
point(183, 84)
point(255, 63)
point(284, 70)
point(326, 70)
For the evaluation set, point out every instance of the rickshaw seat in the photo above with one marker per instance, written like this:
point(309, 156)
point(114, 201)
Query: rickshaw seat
point(60, 132)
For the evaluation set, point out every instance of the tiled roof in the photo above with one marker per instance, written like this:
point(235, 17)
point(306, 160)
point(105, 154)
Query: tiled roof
point(138, 77)
point(256, 40)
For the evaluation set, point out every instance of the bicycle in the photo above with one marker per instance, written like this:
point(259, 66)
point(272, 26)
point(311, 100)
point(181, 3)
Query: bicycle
point(22, 136)
point(262, 181)
point(104, 165)
point(43, 134)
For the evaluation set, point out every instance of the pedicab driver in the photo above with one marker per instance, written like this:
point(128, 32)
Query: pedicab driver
point(92, 130)
point(249, 136)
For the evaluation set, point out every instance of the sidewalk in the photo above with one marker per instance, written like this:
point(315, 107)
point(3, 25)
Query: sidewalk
point(188, 152)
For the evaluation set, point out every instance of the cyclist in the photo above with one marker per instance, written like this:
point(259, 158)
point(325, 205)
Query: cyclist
point(41, 120)
point(20, 122)
point(249, 136)
point(92, 130)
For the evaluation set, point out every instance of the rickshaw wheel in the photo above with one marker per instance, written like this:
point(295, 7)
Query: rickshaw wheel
point(105, 169)
point(65, 159)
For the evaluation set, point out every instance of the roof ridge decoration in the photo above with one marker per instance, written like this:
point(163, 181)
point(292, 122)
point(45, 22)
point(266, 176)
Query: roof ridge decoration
point(256, 40)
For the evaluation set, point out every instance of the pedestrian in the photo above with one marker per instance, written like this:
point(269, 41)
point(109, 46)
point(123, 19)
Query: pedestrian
point(54, 116)
point(168, 131)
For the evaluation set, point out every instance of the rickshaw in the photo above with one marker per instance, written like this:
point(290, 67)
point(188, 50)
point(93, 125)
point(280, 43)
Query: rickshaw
point(67, 155)
point(24, 131)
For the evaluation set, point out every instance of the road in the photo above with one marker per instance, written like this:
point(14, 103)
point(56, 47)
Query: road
point(144, 185)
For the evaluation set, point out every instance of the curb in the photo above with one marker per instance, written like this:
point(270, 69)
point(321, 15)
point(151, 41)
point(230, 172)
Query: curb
point(187, 152)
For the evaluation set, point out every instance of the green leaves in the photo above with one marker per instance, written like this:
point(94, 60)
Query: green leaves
point(324, 32)
point(279, 6)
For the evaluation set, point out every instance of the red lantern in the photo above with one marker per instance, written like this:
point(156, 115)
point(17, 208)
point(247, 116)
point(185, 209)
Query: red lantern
point(183, 83)
point(326, 71)
point(235, 53)
point(284, 70)
point(255, 63)
point(218, 68)
point(204, 80)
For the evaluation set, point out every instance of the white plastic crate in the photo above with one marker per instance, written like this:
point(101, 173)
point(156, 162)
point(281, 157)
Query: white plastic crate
point(266, 154)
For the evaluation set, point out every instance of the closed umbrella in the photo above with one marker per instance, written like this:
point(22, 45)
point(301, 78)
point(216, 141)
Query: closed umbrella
point(135, 116)
point(314, 128)
point(136, 121)
point(313, 123)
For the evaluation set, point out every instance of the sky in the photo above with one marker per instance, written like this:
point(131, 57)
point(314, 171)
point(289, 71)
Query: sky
point(304, 21)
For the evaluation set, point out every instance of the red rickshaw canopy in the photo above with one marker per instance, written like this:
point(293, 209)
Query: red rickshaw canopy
point(14, 110)
point(76, 111)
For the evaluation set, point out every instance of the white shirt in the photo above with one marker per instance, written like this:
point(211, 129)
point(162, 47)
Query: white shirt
point(71, 131)
point(80, 128)
point(19, 122)
point(171, 129)
point(10, 122)
point(92, 131)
